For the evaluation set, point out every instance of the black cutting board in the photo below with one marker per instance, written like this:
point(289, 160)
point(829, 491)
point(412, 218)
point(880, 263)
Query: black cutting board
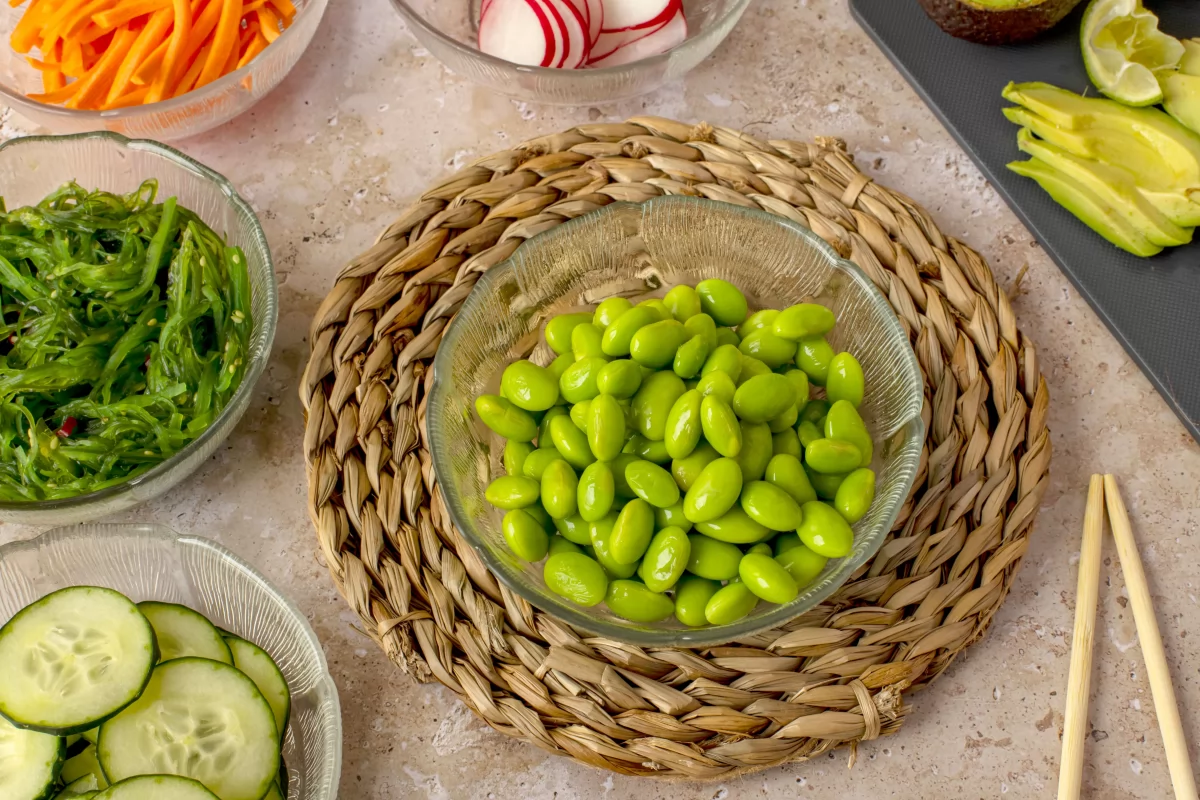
point(1151, 305)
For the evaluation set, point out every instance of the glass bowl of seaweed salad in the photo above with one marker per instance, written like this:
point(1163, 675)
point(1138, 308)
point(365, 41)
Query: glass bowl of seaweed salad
point(139, 305)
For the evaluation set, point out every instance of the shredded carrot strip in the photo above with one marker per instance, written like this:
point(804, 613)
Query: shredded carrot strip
point(149, 68)
point(225, 38)
point(58, 95)
point(201, 28)
point(135, 98)
point(149, 36)
point(84, 18)
point(91, 86)
point(72, 59)
point(27, 31)
point(53, 80)
point(268, 22)
point(188, 82)
point(62, 14)
point(180, 32)
point(128, 10)
point(252, 50)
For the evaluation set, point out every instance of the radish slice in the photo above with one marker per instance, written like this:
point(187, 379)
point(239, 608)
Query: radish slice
point(660, 41)
point(608, 43)
point(595, 17)
point(625, 15)
point(519, 31)
point(558, 31)
point(576, 29)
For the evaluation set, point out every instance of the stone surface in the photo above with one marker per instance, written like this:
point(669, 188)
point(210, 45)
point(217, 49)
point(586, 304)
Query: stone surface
point(369, 118)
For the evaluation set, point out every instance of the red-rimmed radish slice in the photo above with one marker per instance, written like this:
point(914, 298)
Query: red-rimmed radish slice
point(626, 15)
point(559, 26)
point(660, 41)
point(608, 43)
point(575, 29)
point(520, 31)
point(595, 17)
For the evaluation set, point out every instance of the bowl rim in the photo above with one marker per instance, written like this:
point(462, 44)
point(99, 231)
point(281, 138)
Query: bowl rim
point(737, 7)
point(168, 534)
point(22, 101)
point(257, 366)
point(913, 426)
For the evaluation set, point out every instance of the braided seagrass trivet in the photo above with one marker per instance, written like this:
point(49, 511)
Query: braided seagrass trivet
point(834, 675)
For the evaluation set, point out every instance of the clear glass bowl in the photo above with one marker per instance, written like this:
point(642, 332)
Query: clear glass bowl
point(34, 166)
point(187, 115)
point(449, 29)
point(150, 562)
point(640, 251)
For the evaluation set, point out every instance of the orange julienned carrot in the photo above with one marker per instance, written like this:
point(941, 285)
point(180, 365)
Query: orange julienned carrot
point(160, 21)
point(180, 33)
point(90, 88)
point(145, 73)
point(126, 11)
point(285, 9)
point(27, 32)
point(72, 59)
point(252, 50)
point(134, 98)
point(53, 79)
point(188, 81)
point(225, 38)
point(268, 23)
point(84, 18)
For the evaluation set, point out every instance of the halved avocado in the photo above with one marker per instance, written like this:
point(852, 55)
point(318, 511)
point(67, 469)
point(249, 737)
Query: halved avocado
point(997, 21)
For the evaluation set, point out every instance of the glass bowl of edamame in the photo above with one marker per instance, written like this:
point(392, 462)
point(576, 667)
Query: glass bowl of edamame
point(677, 423)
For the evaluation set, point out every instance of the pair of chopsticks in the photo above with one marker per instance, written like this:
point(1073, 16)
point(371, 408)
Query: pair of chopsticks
point(1102, 491)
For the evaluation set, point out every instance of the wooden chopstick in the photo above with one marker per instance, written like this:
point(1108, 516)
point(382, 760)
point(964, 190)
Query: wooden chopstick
point(1161, 689)
point(1070, 771)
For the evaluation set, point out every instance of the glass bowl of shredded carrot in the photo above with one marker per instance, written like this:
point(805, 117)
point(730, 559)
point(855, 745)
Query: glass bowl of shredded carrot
point(161, 69)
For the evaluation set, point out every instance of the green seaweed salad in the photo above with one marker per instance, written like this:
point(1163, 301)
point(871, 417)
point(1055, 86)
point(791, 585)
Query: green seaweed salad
point(126, 327)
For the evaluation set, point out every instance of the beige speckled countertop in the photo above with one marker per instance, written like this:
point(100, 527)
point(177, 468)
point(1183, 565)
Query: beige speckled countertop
point(369, 118)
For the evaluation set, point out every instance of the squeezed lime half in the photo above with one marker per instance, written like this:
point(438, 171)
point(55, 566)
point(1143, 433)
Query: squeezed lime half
point(1123, 48)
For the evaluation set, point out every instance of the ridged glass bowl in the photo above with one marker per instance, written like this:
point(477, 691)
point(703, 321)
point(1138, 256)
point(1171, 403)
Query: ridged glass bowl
point(34, 166)
point(450, 28)
point(186, 115)
point(150, 562)
point(640, 251)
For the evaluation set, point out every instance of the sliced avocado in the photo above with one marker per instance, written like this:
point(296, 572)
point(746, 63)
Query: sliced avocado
point(1190, 63)
point(1114, 186)
point(1090, 209)
point(1181, 98)
point(997, 21)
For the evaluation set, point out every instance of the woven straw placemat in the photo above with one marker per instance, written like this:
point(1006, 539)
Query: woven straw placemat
point(839, 673)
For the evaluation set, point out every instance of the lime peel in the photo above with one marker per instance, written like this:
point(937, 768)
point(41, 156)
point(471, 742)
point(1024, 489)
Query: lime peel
point(1123, 49)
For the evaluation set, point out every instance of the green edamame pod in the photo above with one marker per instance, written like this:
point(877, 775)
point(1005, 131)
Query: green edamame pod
point(788, 473)
point(734, 526)
point(843, 422)
point(618, 465)
point(845, 380)
point(576, 577)
point(665, 559)
point(585, 341)
point(570, 442)
point(727, 336)
point(768, 348)
point(605, 427)
point(752, 368)
point(855, 495)
point(785, 421)
point(560, 488)
point(525, 535)
point(722, 301)
point(767, 579)
point(652, 483)
point(690, 357)
point(770, 506)
point(672, 516)
point(832, 456)
point(702, 325)
point(720, 426)
point(686, 470)
point(596, 491)
point(601, 537)
point(505, 419)
point(512, 491)
point(632, 531)
point(729, 604)
point(610, 309)
point(579, 415)
point(803, 321)
point(757, 321)
point(528, 386)
point(824, 531)
point(655, 345)
point(808, 433)
point(578, 383)
point(559, 365)
point(560, 545)
point(683, 302)
point(764, 397)
point(643, 448)
point(786, 443)
point(652, 403)
point(801, 563)
point(814, 357)
point(537, 461)
point(574, 529)
point(718, 384)
point(714, 491)
point(660, 308)
point(826, 486)
point(757, 450)
point(717, 561)
point(558, 331)
point(725, 358)
point(619, 333)
point(683, 429)
point(692, 594)
point(635, 602)
point(620, 378)
point(515, 454)
point(543, 438)
point(800, 384)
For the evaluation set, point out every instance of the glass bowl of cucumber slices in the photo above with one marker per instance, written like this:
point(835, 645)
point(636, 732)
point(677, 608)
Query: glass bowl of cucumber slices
point(141, 663)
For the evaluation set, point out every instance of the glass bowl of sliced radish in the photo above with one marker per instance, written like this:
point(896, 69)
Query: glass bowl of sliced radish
point(571, 52)
point(140, 664)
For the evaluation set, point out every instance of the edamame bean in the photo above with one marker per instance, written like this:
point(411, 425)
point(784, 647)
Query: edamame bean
point(787, 541)
point(752, 367)
point(768, 348)
point(543, 438)
point(652, 403)
point(610, 309)
point(690, 357)
point(525, 535)
point(620, 378)
point(560, 545)
point(771, 506)
point(734, 526)
point(720, 426)
point(683, 425)
point(560, 489)
point(757, 321)
point(757, 450)
point(761, 547)
point(832, 456)
point(855, 495)
point(515, 454)
point(570, 442)
point(576, 577)
point(702, 325)
point(635, 602)
point(764, 397)
point(824, 531)
point(643, 448)
point(560, 364)
point(558, 331)
point(579, 415)
point(618, 465)
point(722, 301)
point(814, 357)
point(801, 563)
point(717, 561)
point(785, 421)
point(585, 341)
point(692, 594)
point(843, 422)
point(574, 529)
point(619, 333)
point(726, 358)
point(535, 465)
point(528, 386)
point(788, 473)
point(826, 486)
point(537, 512)
point(786, 443)
point(814, 411)
point(683, 302)
point(652, 483)
point(672, 517)
point(729, 604)
point(767, 579)
point(578, 383)
point(686, 470)
point(655, 345)
point(803, 321)
point(718, 384)
point(845, 380)
point(808, 433)
point(660, 308)
point(601, 537)
point(505, 419)
point(800, 384)
point(714, 491)
point(596, 491)
point(665, 559)
point(512, 491)
point(605, 427)
point(727, 336)
point(632, 531)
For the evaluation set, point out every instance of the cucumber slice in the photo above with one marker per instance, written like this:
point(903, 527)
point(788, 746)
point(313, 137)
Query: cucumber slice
point(73, 659)
point(200, 719)
point(157, 787)
point(29, 763)
point(259, 667)
point(91, 735)
point(183, 632)
point(82, 766)
point(87, 786)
